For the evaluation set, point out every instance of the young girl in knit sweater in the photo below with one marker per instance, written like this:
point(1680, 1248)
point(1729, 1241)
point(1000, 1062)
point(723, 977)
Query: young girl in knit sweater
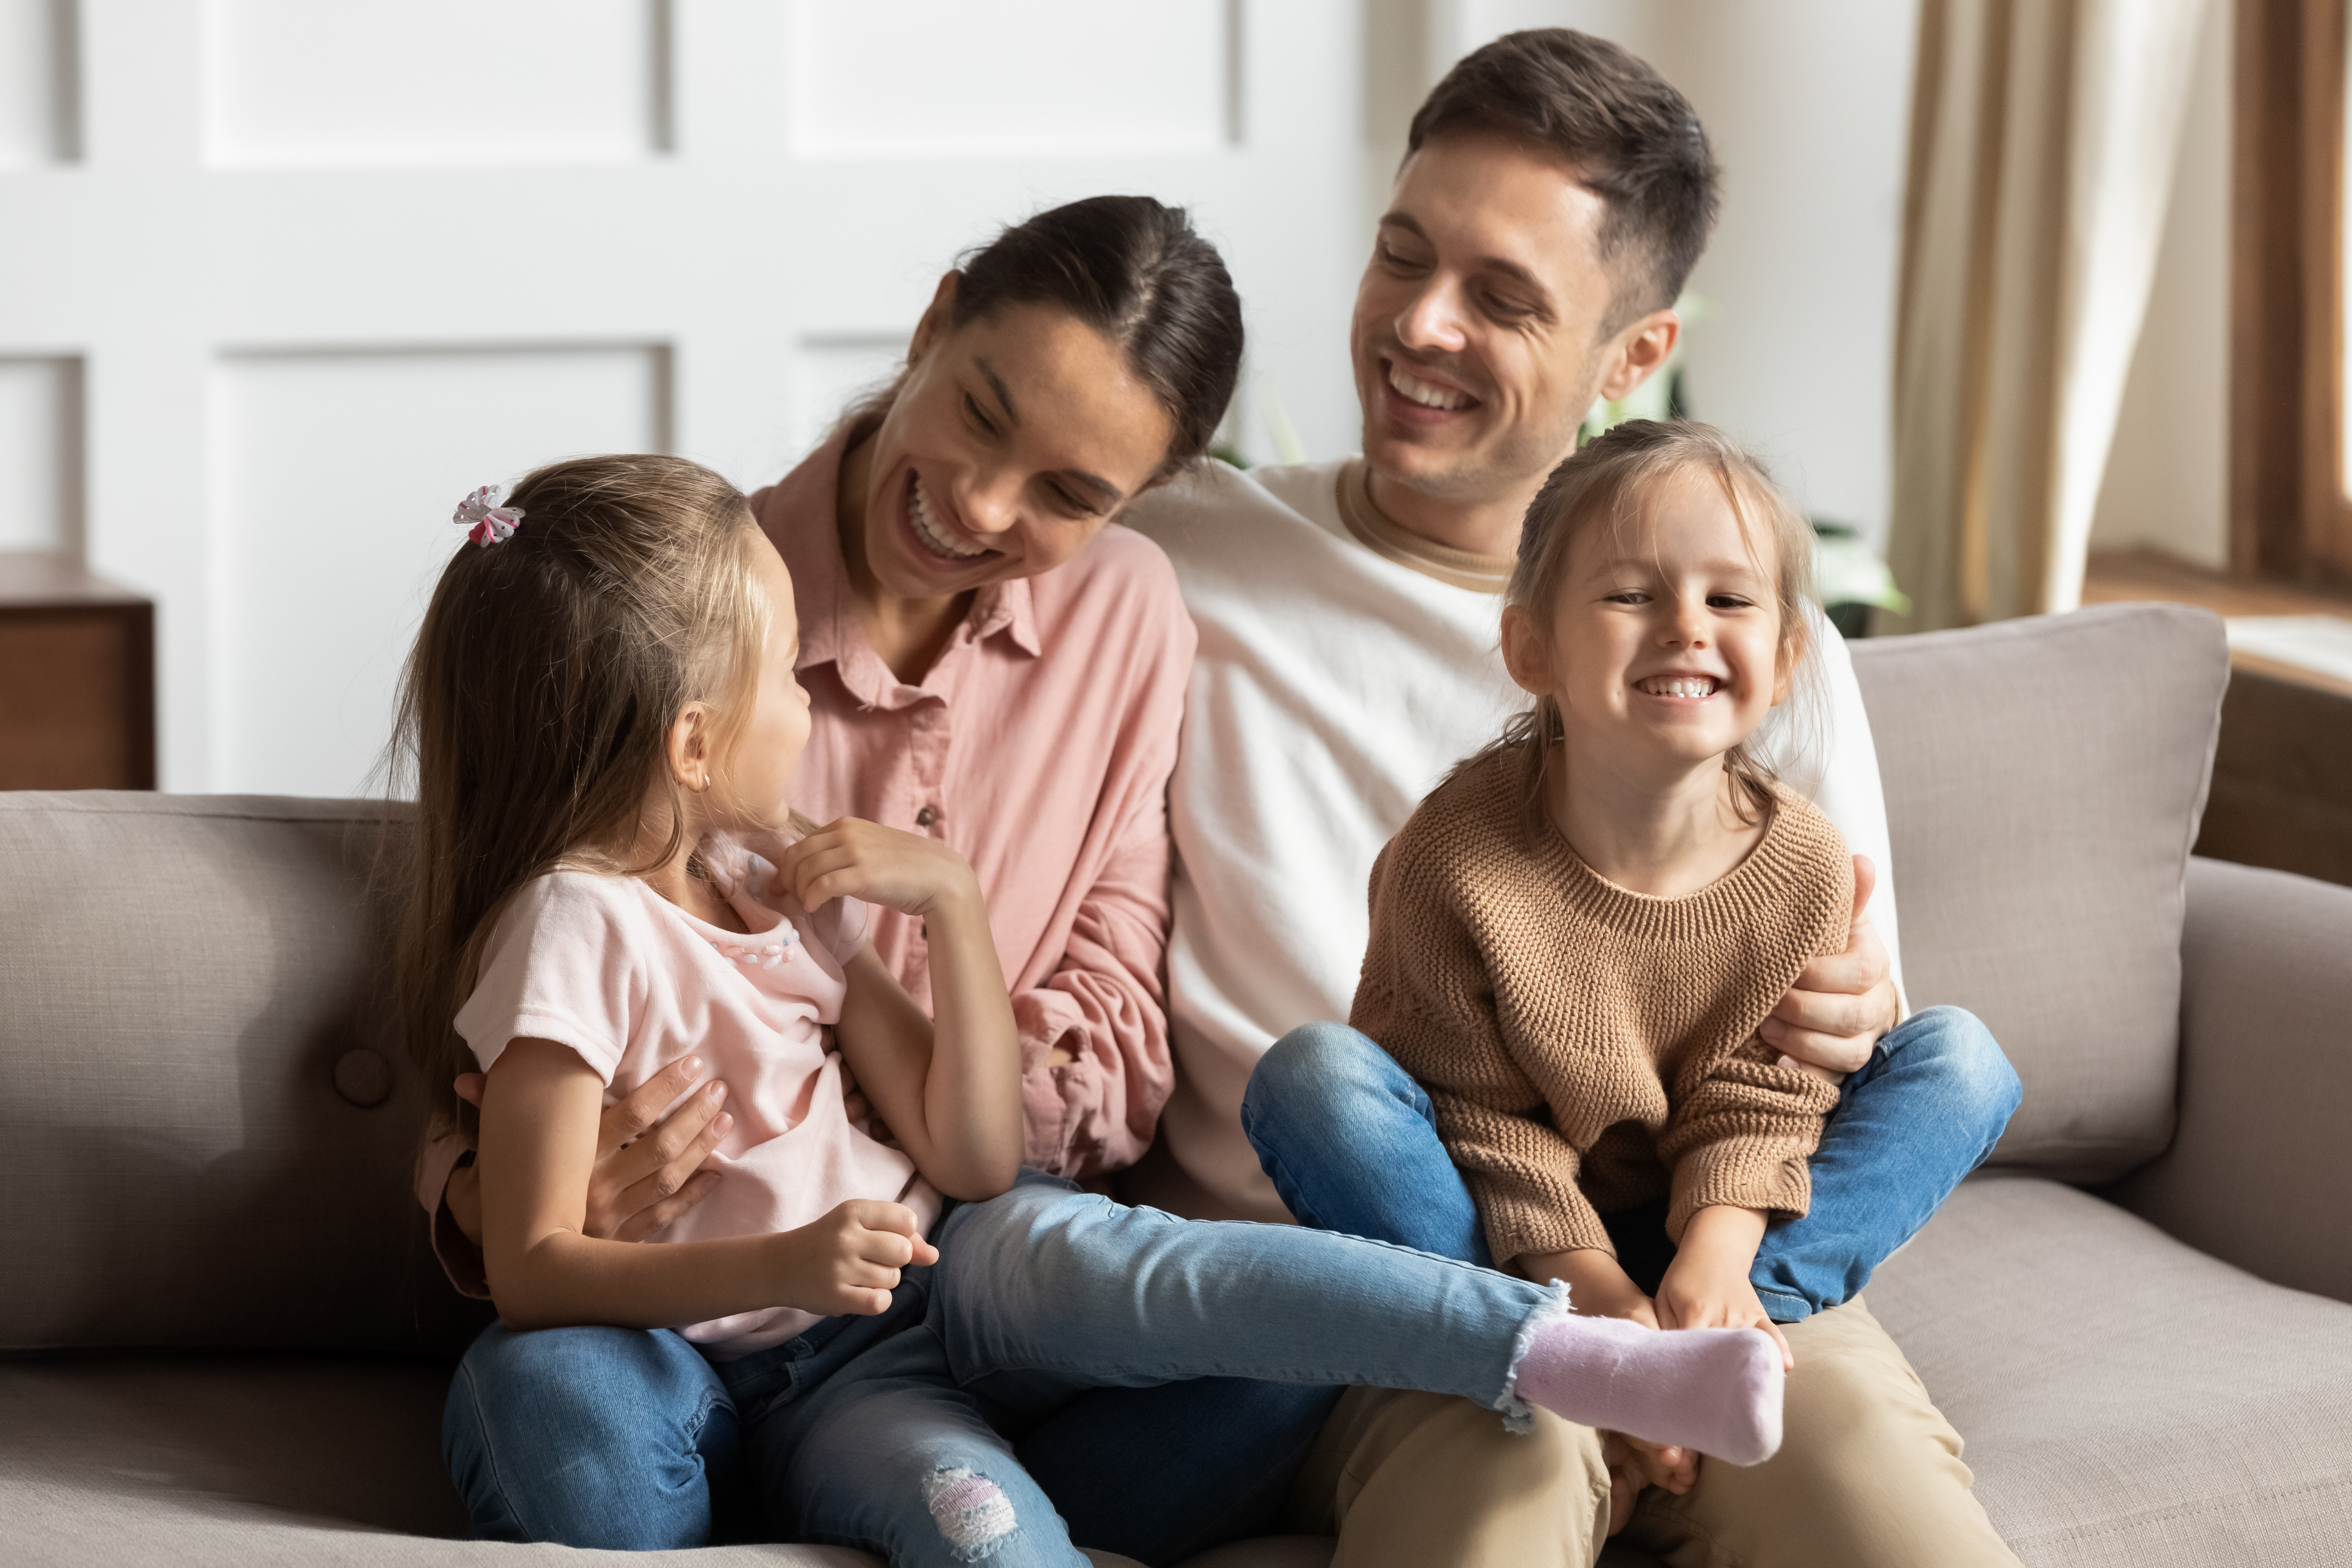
point(1576, 936)
point(604, 720)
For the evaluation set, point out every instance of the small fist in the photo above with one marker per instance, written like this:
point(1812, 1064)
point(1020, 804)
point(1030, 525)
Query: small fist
point(849, 857)
point(849, 1260)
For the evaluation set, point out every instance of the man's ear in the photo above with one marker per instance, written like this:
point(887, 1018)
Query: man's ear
point(687, 748)
point(1639, 353)
point(1526, 653)
point(937, 317)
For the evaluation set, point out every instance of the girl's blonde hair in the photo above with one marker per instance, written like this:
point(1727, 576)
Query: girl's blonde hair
point(1612, 482)
point(535, 707)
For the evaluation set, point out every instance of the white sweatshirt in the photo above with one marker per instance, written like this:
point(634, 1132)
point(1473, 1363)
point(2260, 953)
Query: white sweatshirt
point(1333, 688)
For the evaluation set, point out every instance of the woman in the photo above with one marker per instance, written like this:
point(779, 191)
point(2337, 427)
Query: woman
point(990, 663)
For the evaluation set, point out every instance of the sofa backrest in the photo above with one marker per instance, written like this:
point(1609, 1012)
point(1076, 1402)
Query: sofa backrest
point(206, 1123)
point(2044, 778)
point(206, 1119)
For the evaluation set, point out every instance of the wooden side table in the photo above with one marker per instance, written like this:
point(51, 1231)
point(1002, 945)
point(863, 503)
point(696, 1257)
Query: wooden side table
point(2282, 793)
point(77, 679)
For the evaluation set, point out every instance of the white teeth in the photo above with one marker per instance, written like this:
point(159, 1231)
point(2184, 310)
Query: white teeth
point(1680, 686)
point(931, 533)
point(1425, 394)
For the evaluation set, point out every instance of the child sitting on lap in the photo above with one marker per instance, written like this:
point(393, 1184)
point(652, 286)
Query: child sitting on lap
point(1575, 938)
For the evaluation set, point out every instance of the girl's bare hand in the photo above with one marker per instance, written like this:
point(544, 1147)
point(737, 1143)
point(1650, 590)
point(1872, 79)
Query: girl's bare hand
point(850, 857)
point(1706, 1286)
point(849, 1260)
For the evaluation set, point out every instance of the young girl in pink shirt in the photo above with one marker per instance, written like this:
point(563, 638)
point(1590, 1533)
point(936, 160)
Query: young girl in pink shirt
point(607, 873)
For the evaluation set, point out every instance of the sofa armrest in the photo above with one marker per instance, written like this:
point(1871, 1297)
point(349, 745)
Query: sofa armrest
point(2260, 1170)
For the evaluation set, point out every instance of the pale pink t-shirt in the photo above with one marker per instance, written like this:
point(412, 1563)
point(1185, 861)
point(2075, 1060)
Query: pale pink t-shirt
point(609, 967)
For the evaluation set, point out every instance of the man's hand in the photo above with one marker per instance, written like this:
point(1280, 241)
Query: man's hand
point(1831, 1018)
point(647, 1172)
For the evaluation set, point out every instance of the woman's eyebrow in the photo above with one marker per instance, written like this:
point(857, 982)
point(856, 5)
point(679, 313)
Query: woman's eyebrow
point(996, 385)
point(1107, 493)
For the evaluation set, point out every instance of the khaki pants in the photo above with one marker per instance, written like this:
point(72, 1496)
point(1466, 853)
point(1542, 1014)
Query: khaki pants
point(1869, 1475)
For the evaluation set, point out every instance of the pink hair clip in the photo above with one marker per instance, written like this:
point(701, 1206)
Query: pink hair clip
point(487, 522)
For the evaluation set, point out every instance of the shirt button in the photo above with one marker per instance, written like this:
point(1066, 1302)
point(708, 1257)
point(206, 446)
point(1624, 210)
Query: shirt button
point(925, 816)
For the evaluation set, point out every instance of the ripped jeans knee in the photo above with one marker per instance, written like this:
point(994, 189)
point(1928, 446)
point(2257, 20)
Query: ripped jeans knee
point(971, 1512)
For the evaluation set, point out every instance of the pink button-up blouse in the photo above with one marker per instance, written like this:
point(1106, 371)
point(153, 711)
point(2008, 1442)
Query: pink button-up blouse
point(1039, 745)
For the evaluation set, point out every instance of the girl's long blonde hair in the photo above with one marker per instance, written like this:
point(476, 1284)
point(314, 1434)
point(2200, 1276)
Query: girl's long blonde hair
point(535, 706)
point(1612, 481)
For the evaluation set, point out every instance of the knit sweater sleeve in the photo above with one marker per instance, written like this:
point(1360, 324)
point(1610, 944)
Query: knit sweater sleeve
point(1426, 998)
point(1744, 1128)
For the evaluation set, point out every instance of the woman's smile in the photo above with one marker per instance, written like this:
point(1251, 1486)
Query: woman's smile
point(938, 537)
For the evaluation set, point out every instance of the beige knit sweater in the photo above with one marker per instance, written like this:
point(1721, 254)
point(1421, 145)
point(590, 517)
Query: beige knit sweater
point(1588, 1048)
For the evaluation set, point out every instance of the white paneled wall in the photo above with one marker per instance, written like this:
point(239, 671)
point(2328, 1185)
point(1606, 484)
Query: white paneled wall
point(36, 82)
point(298, 83)
point(280, 279)
point(40, 454)
point(369, 450)
point(1012, 76)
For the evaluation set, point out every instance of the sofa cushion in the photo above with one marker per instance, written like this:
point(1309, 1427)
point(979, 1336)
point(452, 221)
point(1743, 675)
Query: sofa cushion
point(122, 1461)
point(2126, 1400)
point(2043, 782)
point(206, 1122)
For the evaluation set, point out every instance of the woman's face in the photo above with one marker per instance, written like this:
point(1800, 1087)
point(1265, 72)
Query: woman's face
point(1014, 439)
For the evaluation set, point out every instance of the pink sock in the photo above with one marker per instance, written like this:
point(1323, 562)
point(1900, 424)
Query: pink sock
point(1715, 1390)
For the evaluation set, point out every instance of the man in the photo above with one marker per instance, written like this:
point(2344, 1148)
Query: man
point(1554, 196)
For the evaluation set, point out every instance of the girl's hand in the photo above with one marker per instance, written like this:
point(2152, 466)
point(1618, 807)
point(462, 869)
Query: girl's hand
point(848, 858)
point(1597, 1287)
point(1706, 1286)
point(849, 1260)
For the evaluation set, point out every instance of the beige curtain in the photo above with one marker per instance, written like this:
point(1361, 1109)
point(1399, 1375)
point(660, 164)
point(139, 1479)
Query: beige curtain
point(2043, 134)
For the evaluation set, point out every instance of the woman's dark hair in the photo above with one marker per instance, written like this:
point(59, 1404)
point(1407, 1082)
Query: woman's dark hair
point(1136, 271)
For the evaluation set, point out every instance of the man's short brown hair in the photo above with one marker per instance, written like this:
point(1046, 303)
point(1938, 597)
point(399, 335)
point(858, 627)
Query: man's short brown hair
point(1637, 141)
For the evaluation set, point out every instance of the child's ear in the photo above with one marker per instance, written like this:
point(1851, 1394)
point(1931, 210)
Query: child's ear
point(1526, 653)
point(687, 748)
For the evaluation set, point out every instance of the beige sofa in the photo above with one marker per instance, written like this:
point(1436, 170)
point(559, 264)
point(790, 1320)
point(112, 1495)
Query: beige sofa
point(228, 1343)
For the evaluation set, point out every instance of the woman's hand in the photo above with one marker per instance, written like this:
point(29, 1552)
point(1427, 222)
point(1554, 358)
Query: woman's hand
point(648, 1170)
point(849, 857)
point(849, 1261)
point(1833, 1017)
point(1707, 1285)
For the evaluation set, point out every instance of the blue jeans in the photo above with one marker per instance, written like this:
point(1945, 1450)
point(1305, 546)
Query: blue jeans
point(627, 1439)
point(885, 1433)
point(889, 1433)
point(1351, 1144)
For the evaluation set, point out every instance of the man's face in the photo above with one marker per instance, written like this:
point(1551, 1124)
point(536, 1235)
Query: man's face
point(1476, 338)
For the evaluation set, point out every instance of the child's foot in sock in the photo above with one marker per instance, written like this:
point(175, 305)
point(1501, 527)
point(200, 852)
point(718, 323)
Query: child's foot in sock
point(1716, 1390)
